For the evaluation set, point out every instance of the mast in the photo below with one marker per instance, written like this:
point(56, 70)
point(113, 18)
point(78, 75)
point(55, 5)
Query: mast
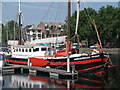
point(68, 38)
point(68, 23)
point(20, 24)
point(78, 10)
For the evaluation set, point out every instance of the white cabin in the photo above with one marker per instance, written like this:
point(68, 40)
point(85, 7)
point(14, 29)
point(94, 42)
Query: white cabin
point(30, 51)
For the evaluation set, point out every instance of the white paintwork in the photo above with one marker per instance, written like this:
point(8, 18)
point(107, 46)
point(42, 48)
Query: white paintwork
point(70, 56)
point(30, 51)
point(2, 61)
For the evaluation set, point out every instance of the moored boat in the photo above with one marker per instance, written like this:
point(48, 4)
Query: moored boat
point(42, 56)
point(93, 62)
point(83, 63)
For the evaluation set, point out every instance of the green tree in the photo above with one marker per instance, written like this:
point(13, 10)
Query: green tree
point(107, 21)
point(9, 31)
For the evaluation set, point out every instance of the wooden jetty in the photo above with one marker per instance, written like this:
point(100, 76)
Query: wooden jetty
point(22, 69)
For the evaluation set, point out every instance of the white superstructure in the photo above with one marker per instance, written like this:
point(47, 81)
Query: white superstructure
point(24, 52)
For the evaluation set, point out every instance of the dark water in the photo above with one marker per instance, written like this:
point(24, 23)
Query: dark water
point(112, 80)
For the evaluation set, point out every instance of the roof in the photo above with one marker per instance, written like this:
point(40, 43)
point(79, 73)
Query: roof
point(52, 23)
point(33, 27)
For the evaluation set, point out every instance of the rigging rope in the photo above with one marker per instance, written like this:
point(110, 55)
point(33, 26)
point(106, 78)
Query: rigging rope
point(61, 12)
point(93, 21)
point(47, 12)
point(58, 12)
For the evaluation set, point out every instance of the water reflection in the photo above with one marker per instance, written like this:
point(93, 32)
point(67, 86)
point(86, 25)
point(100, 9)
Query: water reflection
point(27, 81)
point(114, 73)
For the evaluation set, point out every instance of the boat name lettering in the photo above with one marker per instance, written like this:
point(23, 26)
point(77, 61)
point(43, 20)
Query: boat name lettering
point(82, 58)
point(95, 56)
point(105, 55)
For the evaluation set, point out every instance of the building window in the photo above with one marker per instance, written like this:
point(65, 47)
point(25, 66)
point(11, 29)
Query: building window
point(33, 30)
point(39, 30)
point(39, 36)
point(46, 26)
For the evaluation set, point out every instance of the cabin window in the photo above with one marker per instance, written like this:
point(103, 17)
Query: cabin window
point(43, 49)
point(19, 50)
point(49, 49)
point(30, 85)
point(29, 50)
point(22, 50)
point(16, 50)
point(36, 49)
point(36, 86)
point(26, 50)
point(26, 84)
point(22, 84)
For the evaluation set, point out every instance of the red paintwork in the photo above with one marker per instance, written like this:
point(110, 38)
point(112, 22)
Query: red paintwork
point(61, 54)
point(34, 78)
point(76, 62)
point(99, 73)
point(85, 86)
point(38, 62)
point(89, 79)
point(20, 62)
point(90, 68)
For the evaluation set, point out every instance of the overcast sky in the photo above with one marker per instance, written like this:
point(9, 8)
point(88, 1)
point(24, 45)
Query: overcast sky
point(37, 11)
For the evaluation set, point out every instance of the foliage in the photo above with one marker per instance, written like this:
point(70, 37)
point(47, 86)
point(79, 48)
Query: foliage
point(107, 21)
point(9, 31)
